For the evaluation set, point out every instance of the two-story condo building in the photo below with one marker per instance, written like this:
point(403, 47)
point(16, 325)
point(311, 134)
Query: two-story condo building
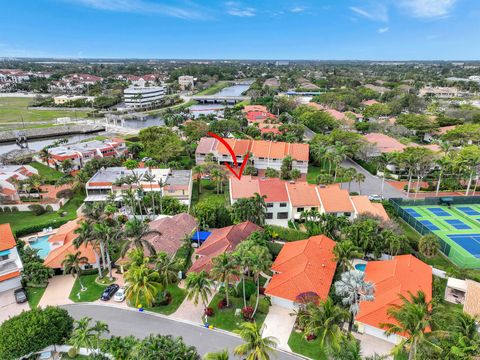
point(263, 154)
point(178, 183)
point(10, 262)
point(9, 174)
point(81, 153)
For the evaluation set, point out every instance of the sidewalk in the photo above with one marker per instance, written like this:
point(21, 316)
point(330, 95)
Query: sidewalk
point(58, 291)
point(279, 324)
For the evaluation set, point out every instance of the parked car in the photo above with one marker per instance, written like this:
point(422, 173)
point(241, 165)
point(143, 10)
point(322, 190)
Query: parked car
point(20, 296)
point(120, 294)
point(375, 197)
point(109, 291)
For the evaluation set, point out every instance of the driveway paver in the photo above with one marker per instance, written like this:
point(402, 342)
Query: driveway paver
point(279, 324)
point(58, 291)
point(188, 311)
point(8, 306)
point(372, 345)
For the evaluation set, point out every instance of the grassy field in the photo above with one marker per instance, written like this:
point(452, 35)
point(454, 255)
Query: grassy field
point(34, 295)
point(310, 349)
point(93, 292)
point(12, 109)
point(19, 221)
point(209, 191)
point(47, 173)
point(215, 88)
point(178, 295)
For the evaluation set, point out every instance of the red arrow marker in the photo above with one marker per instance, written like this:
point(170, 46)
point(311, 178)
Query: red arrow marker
point(234, 157)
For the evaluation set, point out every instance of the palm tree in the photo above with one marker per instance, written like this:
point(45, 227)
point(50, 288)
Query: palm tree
point(221, 355)
point(86, 336)
point(85, 237)
point(168, 268)
point(150, 178)
point(262, 261)
point(428, 245)
point(66, 166)
point(107, 236)
point(353, 289)
point(137, 231)
point(161, 186)
point(344, 252)
point(359, 178)
point(384, 160)
point(255, 347)
point(198, 171)
point(414, 319)
point(444, 163)
point(224, 267)
point(199, 287)
point(45, 156)
point(324, 321)
point(144, 284)
point(72, 264)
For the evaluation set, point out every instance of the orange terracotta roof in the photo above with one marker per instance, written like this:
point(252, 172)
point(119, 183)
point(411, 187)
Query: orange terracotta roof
point(363, 205)
point(240, 147)
point(401, 275)
point(303, 266)
point(316, 106)
point(7, 241)
point(274, 189)
point(220, 241)
point(261, 148)
point(244, 188)
point(303, 194)
point(250, 108)
point(65, 233)
point(370, 102)
point(9, 275)
point(334, 199)
point(384, 143)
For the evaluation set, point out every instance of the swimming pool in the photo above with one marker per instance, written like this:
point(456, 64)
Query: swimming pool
point(42, 245)
point(360, 267)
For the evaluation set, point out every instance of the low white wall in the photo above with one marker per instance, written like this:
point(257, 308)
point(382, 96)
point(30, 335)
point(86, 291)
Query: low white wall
point(24, 206)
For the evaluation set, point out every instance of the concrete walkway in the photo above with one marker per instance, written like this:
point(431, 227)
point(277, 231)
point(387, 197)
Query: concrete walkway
point(372, 345)
point(188, 311)
point(279, 324)
point(58, 291)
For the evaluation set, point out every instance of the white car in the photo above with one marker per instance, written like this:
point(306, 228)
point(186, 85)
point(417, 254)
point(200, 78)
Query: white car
point(120, 294)
point(375, 197)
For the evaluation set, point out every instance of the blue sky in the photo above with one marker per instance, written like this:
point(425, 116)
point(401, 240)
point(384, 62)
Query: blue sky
point(262, 29)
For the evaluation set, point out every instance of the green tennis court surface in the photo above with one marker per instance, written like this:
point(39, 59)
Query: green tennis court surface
point(458, 227)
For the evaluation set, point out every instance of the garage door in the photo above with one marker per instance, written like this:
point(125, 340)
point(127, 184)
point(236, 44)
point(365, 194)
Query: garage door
point(10, 284)
point(379, 333)
point(287, 304)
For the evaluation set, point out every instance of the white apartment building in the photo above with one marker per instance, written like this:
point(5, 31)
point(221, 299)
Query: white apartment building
point(139, 97)
point(186, 82)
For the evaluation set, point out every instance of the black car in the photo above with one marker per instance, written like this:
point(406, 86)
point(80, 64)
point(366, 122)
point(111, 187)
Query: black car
point(109, 291)
point(20, 295)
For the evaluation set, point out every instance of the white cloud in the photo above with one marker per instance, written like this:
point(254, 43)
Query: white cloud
point(187, 10)
point(236, 9)
point(376, 12)
point(383, 30)
point(297, 9)
point(428, 8)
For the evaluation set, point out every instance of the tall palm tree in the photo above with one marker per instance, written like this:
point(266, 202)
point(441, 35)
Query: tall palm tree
point(344, 252)
point(444, 164)
point(107, 236)
point(359, 179)
point(262, 261)
point(161, 186)
point(150, 178)
point(324, 321)
point(168, 268)
point(86, 237)
point(45, 156)
point(384, 160)
point(353, 289)
point(223, 269)
point(83, 335)
point(256, 347)
point(72, 264)
point(144, 284)
point(137, 232)
point(199, 288)
point(198, 171)
point(414, 318)
point(428, 245)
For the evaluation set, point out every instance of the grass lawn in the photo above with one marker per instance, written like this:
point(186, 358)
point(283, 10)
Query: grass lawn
point(12, 109)
point(209, 191)
point(22, 221)
point(47, 173)
point(178, 295)
point(225, 319)
point(93, 292)
point(215, 88)
point(312, 174)
point(34, 294)
point(301, 346)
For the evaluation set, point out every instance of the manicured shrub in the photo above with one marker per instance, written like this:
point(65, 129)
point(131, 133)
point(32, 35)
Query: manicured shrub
point(65, 194)
point(250, 289)
point(14, 209)
point(7, 209)
point(48, 208)
point(37, 209)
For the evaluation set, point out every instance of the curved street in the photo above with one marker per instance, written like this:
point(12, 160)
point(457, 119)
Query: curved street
point(123, 322)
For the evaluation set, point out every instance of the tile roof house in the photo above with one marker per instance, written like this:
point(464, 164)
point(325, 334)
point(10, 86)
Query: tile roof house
point(173, 231)
point(10, 262)
point(301, 267)
point(362, 205)
point(369, 102)
point(9, 174)
point(62, 244)
point(402, 275)
point(221, 241)
point(250, 108)
point(383, 144)
point(264, 154)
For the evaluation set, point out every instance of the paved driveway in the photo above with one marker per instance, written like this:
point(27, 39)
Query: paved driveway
point(130, 322)
point(188, 311)
point(58, 291)
point(8, 306)
point(372, 184)
point(279, 324)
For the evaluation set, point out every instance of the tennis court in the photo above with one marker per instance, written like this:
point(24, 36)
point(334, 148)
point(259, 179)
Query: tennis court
point(458, 227)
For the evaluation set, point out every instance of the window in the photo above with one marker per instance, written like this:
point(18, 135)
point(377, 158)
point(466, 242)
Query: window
point(347, 214)
point(3, 257)
point(261, 158)
point(283, 204)
point(282, 215)
point(300, 209)
point(269, 216)
point(269, 205)
point(314, 208)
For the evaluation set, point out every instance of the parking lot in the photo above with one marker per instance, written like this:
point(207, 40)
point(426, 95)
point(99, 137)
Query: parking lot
point(8, 306)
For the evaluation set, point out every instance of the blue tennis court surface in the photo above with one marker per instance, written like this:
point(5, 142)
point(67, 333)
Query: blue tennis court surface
point(412, 212)
point(458, 224)
point(428, 224)
point(468, 210)
point(470, 242)
point(438, 211)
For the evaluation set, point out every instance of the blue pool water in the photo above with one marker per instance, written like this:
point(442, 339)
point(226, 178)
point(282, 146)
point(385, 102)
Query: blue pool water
point(360, 267)
point(42, 245)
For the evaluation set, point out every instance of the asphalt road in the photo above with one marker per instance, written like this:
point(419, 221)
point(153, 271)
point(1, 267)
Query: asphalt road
point(126, 322)
point(372, 184)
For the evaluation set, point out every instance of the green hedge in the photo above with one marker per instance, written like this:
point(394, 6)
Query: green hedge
point(287, 234)
point(30, 229)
